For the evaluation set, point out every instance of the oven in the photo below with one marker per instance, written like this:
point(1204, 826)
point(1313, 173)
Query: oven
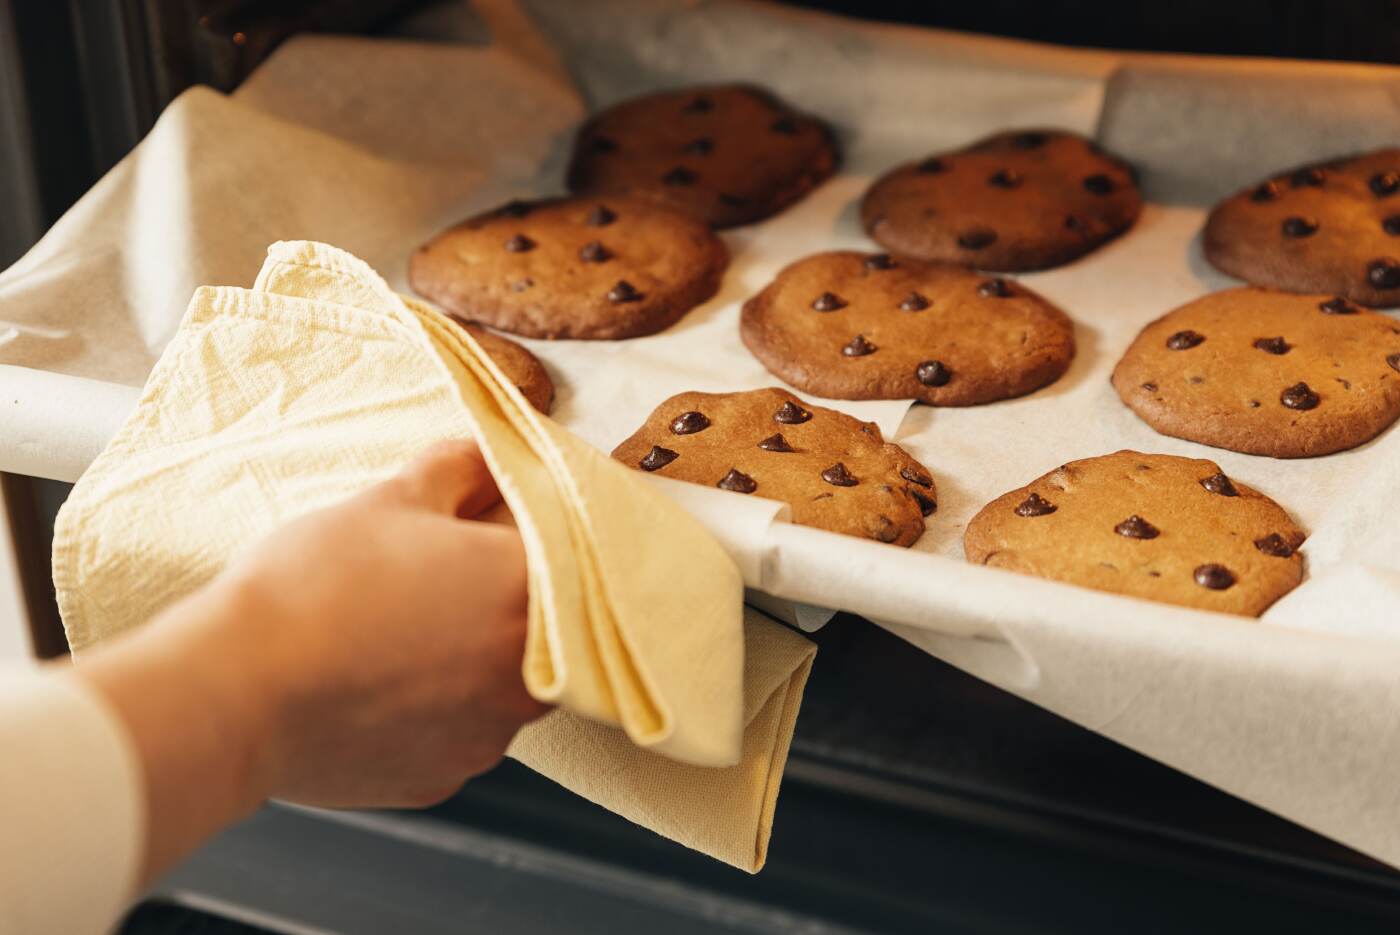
point(957, 807)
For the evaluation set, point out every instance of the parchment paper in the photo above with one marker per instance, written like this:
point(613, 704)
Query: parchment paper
point(375, 145)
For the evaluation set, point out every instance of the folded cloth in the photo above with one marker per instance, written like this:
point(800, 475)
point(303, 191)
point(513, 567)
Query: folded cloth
point(321, 380)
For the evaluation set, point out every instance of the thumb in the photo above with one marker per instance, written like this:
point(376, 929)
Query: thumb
point(451, 477)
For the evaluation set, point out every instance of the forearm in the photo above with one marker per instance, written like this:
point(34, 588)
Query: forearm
point(186, 688)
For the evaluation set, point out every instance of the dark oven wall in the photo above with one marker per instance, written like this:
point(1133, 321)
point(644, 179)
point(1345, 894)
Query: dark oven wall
point(1343, 30)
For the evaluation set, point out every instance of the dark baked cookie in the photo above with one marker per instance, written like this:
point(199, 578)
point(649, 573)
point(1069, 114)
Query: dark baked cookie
point(1154, 526)
point(729, 154)
point(572, 268)
point(836, 472)
point(520, 366)
point(848, 325)
point(1332, 227)
point(1018, 200)
point(1266, 373)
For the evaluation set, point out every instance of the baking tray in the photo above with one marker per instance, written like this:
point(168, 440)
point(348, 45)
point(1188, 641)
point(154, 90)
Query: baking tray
point(1294, 713)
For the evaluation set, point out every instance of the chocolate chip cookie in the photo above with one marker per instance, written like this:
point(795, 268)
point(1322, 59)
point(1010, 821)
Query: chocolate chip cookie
point(729, 154)
point(836, 472)
point(1015, 201)
point(848, 325)
point(1169, 529)
point(520, 366)
point(1332, 227)
point(1266, 373)
point(603, 268)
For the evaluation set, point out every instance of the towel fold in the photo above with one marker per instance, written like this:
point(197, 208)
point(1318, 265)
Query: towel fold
point(321, 380)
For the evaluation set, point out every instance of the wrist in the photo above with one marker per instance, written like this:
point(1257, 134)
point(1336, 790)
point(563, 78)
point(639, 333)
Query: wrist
point(229, 657)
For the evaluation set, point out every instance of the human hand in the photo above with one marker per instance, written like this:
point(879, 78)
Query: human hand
point(392, 631)
point(364, 655)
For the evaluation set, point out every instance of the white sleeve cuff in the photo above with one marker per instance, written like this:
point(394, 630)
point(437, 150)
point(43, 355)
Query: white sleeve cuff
point(71, 806)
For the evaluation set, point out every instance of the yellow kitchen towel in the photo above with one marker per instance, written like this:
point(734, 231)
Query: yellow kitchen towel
point(272, 402)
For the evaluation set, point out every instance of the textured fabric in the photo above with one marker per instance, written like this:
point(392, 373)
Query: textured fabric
point(321, 380)
point(726, 813)
point(71, 807)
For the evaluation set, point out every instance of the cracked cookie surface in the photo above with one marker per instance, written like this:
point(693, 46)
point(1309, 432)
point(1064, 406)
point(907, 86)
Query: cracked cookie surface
point(1159, 527)
point(836, 472)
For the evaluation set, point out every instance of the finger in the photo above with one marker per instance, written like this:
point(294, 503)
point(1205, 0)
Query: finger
point(451, 477)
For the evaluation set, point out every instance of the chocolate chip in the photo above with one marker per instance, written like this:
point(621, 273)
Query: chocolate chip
point(699, 105)
point(784, 125)
point(925, 502)
point(1185, 340)
point(623, 292)
point(1073, 223)
point(1338, 306)
point(789, 413)
point(1299, 396)
point(1299, 226)
point(1004, 178)
point(700, 147)
point(828, 302)
point(734, 201)
point(1219, 484)
point(933, 373)
point(680, 175)
point(1254, 404)
point(1275, 545)
point(914, 477)
point(858, 347)
point(1098, 184)
point(1384, 273)
point(1028, 140)
point(600, 216)
point(1135, 527)
point(520, 285)
point(594, 252)
point(1035, 505)
point(1266, 192)
point(1273, 345)
point(688, 423)
point(914, 302)
point(995, 288)
point(1385, 183)
point(657, 458)
point(932, 165)
point(1215, 577)
point(515, 209)
point(603, 145)
point(1150, 387)
point(886, 531)
point(1391, 225)
point(1394, 361)
point(879, 261)
point(975, 238)
point(776, 442)
point(1306, 177)
point(520, 244)
point(838, 476)
point(737, 481)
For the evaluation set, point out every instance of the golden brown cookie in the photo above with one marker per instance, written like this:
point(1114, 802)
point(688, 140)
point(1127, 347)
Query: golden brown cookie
point(572, 268)
point(1015, 201)
point(1332, 227)
point(729, 154)
point(835, 472)
point(848, 325)
point(1159, 527)
point(520, 366)
point(1266, 373)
